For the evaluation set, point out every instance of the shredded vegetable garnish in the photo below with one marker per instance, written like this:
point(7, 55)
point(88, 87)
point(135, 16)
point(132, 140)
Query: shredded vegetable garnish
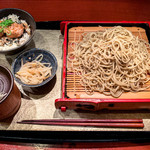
point(34, 72)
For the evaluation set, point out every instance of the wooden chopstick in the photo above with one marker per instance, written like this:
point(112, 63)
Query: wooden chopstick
point(126, 123)
point(88, 120)
point(120, 125)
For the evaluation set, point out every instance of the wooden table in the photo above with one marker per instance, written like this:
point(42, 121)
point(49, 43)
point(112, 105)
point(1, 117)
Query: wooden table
point(98, 10)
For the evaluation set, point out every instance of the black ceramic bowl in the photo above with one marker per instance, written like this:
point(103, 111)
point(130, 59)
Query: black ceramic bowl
point(23, 15)
point(29, 56)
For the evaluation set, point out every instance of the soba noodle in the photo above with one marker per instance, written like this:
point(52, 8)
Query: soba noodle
point(111, 62)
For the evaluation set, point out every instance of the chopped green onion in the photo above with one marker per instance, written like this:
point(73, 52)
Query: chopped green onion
point(9, 32)
point(5, 24)
point(1, 29)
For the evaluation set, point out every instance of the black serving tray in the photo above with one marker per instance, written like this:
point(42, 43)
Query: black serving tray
point(47, 137)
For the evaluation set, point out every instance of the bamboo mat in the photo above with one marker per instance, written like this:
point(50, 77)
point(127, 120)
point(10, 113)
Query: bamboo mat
point(73, 86)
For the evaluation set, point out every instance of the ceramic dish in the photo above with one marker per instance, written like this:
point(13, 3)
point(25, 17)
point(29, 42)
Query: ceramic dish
point(31, 55)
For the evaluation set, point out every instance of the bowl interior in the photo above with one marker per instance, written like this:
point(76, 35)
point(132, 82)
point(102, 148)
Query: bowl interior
point(23, 15)
point(31, 55)
point(6, 81)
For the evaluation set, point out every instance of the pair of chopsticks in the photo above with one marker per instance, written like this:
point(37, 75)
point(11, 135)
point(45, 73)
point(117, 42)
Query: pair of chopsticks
point(117, 123)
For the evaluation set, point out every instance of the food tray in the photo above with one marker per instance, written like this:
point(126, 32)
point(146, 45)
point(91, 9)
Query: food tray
point(35, 102)
point(73, 94)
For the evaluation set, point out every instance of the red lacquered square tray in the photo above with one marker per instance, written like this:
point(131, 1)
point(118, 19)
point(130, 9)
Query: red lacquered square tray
point(73, 94)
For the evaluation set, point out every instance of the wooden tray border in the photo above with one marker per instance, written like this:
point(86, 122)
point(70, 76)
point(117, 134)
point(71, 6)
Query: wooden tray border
point(91, 103)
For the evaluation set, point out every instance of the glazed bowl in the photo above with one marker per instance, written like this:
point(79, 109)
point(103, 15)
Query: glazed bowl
point(29, 56)
point(23, 15)
point(10, 103)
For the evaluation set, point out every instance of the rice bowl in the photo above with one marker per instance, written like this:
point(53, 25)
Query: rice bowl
point(10, 42)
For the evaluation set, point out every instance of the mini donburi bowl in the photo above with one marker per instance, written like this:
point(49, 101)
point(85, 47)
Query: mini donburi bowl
point(23, 15)
point(10, 103)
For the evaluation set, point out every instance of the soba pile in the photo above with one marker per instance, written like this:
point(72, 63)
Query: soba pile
point(111, 62)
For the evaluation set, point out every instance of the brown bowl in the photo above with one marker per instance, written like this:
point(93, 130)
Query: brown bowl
point(10, 103)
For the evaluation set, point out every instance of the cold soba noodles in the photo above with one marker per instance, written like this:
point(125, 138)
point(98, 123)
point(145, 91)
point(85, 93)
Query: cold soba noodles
point(111, 62)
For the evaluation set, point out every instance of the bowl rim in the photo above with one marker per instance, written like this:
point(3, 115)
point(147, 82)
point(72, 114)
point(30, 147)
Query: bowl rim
point(30, 38)
point(11, 83)
point(45, 81)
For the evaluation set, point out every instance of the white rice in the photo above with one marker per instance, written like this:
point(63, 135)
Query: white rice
point(13, 17)
point(6, 47)
point(22, 39)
